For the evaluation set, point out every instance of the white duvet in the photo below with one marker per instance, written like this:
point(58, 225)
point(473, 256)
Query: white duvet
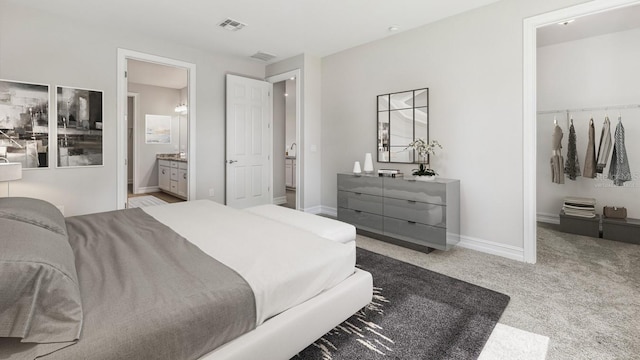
point(284, 265)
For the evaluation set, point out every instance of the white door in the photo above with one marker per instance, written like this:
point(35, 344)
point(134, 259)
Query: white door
point(249, 147)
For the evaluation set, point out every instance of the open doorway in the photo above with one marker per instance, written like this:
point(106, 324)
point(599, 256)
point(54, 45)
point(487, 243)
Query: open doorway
point(287, 150)
point(156, 107)
point(531, 94)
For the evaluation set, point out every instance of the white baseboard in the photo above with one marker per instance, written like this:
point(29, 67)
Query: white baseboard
point(313, 210)
point(548, 218)
point(280, 200)
point(329, 211)
point(148, 189)
point(492, 247)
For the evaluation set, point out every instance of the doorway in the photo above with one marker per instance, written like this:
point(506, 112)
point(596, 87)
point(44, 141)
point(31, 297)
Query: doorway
point(531, 25)
point(163, 127)
point(287, 147)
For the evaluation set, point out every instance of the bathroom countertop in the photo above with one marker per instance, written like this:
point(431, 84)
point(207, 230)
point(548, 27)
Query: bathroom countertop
point(170, 157)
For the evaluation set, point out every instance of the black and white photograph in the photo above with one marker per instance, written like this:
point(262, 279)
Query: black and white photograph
point(79, 127)
point(24, 123)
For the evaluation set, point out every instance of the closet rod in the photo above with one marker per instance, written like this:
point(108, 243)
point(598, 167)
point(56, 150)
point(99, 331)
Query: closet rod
point(615, 107)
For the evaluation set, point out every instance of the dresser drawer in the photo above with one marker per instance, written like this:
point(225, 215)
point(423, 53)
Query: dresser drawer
point(361, 220)
point(359, 201)
point(360, 184)
point(424, 213)
point(424, 191)
point(416, 233)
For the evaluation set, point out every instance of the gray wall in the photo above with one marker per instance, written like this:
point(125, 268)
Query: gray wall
point(278, 139)
point(472, 64)
point(50, 49)
point(154, 100)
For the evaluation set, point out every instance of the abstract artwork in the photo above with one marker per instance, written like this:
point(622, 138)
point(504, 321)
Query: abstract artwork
point(24, 123)
point(157, 129)
point(79, 127)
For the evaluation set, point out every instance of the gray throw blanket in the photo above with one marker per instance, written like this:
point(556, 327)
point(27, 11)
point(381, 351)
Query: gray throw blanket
point(572, 166)
point(590, 158)
point(148, 293)
point(619, 170)
point(604, 149)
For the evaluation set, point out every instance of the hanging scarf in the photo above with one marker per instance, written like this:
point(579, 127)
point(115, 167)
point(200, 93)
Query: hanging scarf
point(604, 149)
point(556, 156)
point(572, 166)
point(590, 158)
point(619, 170)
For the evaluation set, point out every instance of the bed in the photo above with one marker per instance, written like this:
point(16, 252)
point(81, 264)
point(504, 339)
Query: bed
point(194, 280)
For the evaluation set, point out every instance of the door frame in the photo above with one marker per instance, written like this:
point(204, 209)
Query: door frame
point(134, 134)
point(529, 129)
point(121, 107)
point(299, 146)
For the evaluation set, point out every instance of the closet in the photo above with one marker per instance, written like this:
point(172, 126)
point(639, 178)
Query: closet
point(582, 80)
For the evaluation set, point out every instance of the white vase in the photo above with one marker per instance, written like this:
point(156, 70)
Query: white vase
point(425, 177)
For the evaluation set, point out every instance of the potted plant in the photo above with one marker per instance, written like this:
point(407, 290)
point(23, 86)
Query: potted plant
point(424, 149)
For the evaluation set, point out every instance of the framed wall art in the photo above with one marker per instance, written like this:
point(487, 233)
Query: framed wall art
point(24, 123)
point(79, 122)
point(157, 129)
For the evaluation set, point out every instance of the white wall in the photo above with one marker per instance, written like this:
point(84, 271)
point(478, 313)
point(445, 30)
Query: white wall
point(593, 72)
point(472, 64)
point(290, 115)
point(154, 100)
point(45, 48)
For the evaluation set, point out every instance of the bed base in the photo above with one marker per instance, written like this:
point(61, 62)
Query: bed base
point(286, 334)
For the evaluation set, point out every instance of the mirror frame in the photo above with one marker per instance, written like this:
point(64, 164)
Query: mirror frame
point(384, 133)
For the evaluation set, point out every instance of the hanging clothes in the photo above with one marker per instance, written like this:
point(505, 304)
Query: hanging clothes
point(572, 166)
point(604, 149)
point(619, 170)
point(590, 158)
point(557, 175)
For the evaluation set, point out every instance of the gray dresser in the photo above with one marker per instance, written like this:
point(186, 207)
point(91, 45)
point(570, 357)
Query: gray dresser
point(419, 214)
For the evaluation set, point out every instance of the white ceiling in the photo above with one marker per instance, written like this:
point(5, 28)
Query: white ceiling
point(625, 18)
point(282, 27)
point(147, 73)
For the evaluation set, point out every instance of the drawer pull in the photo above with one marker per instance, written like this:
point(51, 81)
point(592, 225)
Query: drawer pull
point(358, 193)
point(411, 222)
point(358, 211)
point(411, 201)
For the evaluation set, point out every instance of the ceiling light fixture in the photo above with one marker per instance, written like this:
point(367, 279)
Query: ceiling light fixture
point(394, 28)
point(566, 22)
point(292, 78)
point(182, 108)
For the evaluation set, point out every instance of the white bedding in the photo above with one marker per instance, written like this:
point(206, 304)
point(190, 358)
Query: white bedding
point(283, 265)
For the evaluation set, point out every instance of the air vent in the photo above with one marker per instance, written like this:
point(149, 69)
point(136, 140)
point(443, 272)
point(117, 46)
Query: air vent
point(263, 56)
point(232, 25)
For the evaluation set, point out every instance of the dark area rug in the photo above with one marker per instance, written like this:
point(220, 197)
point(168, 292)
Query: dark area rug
point(415, 314)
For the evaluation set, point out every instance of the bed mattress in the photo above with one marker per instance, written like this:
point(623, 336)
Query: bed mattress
point(284, 265)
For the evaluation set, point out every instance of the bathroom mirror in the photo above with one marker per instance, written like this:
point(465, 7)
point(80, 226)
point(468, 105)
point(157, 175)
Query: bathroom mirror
point(402, 118)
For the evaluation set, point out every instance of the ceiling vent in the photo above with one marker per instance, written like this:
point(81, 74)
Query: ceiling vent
point(232, 25)
point(263, 56)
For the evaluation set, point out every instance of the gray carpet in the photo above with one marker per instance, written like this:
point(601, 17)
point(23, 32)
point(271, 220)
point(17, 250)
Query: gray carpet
point(584, 293)
point(415, 314)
